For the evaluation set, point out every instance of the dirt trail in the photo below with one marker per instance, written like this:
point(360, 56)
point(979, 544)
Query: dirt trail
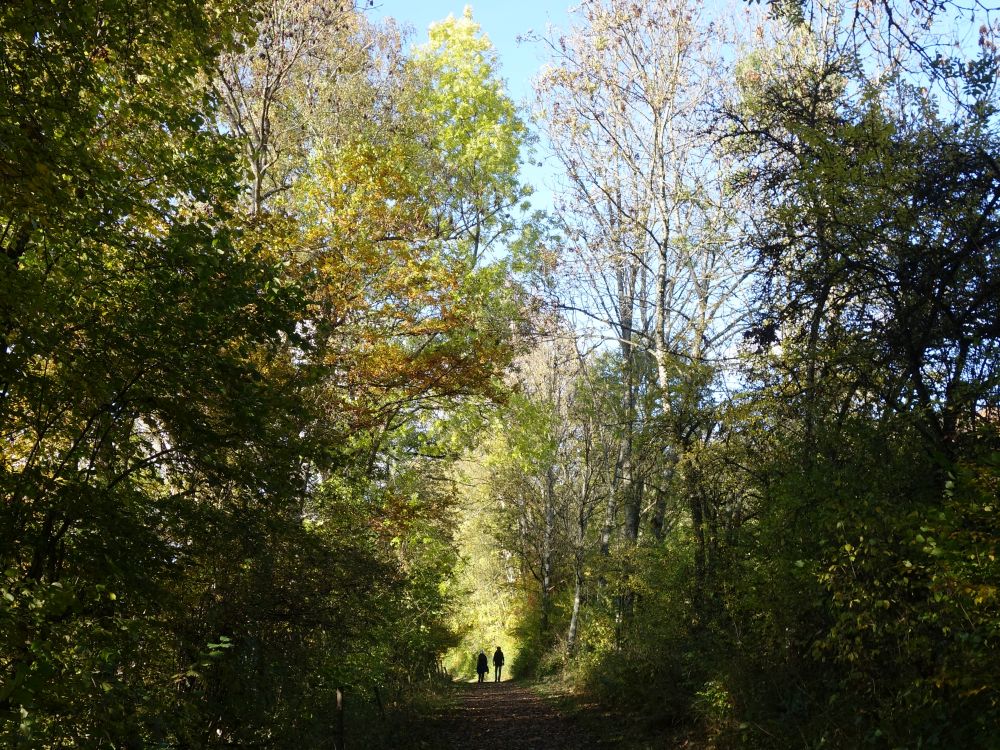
point(509, 716)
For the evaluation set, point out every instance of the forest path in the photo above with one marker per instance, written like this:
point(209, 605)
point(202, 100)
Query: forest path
point(506, 715)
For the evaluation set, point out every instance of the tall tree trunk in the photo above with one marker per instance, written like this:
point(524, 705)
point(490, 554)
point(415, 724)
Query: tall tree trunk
point(630, 487)
point(547, 546)
point(574, 618)
point(658, 520)
point(698, 526)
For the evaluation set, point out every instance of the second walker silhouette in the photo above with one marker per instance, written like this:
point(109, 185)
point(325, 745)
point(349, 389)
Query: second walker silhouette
point(497, 663)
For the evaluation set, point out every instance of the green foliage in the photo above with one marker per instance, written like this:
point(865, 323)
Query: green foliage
point(474, 128)
point(817, 560)
point(215, 512)
point(260, 441)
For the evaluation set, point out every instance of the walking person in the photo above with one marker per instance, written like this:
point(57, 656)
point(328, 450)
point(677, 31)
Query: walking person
point(482, 666)
point(497, 663)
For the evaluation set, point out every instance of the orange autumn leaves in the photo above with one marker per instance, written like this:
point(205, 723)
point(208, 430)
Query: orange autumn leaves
point(403, 312)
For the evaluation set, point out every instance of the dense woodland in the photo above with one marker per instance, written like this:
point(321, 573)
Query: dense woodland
point(300, 392)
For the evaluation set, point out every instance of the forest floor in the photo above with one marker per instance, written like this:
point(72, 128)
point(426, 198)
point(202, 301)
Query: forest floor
point(515, 715)
point(507, 715)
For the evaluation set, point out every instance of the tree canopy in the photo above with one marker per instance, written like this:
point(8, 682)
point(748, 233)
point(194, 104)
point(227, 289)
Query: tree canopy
point(300, 399)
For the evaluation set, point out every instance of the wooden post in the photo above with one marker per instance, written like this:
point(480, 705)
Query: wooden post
point(338, 740)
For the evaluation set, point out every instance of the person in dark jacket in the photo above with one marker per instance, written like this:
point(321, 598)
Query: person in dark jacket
point(482, 666)
point(498, 663)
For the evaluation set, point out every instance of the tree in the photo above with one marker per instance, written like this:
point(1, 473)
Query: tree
point(120, 413)
point(379, 194)
point(476, 134)
point(627, 104)
point(293, 43)
point(878, 239)
point(546, 472)
point(209, 523)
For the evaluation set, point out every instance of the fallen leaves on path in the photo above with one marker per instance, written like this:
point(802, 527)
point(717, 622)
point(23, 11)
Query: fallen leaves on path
point(505, 715)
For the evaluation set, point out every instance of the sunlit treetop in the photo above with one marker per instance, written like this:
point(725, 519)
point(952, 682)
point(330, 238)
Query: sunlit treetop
point(476, 124)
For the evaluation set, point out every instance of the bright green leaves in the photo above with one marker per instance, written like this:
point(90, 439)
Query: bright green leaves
point(474, 129)
point(475, 124)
